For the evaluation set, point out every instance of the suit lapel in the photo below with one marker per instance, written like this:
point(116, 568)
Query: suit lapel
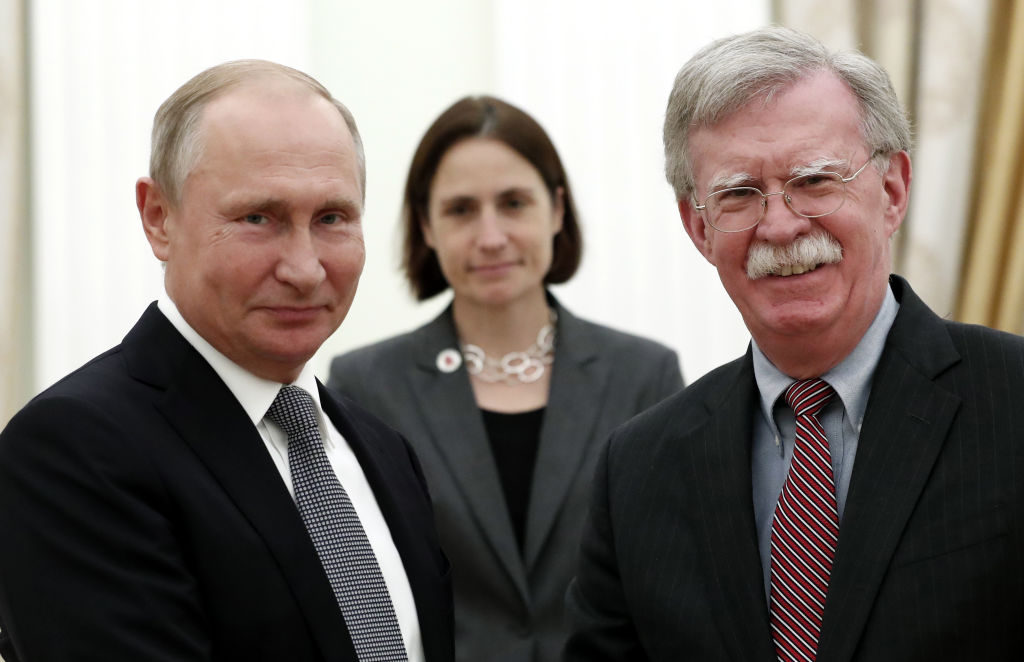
point(578, 381)
point(456, 428)
point(214, 425)
point(720, 473)
point(908, 418)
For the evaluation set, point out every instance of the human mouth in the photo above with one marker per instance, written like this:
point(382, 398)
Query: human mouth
point(294, 314)
point(498, 267)
point(802, 256)
point(795, 269)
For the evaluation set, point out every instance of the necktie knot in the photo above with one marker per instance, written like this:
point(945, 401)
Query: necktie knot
point(293, 410)
point(807, 397)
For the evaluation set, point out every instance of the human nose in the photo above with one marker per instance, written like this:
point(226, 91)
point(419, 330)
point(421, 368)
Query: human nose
point(779, 224)
point(299, 262)
point(492, 235)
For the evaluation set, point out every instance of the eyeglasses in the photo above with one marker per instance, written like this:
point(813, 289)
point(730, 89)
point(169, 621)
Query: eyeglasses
point(813, 195)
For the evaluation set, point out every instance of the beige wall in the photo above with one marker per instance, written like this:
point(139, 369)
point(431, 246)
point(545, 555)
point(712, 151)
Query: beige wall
point(595, 74)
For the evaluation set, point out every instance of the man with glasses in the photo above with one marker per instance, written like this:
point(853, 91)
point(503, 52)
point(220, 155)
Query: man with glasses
point(853, 487)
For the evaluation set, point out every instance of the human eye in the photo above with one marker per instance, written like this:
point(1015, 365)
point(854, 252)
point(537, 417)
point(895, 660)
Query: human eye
point(459, 208)
point(515, 201)
point(256, 219)
point(736, 193)
point(736, 199)
point(332, 219)
point(814, 180)
point(814, 190)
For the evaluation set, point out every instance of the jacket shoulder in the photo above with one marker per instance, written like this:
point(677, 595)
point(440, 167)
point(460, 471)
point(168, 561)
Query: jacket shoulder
point(687, 409)
point(102, 381)
point(376, 356)
point(615, 341)
point(975, 335)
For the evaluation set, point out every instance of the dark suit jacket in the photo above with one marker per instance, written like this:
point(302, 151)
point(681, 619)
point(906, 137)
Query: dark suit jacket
point(930, 562)
point(509, 606)
point(143, 519)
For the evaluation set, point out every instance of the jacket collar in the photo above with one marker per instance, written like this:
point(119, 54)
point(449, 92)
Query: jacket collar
point(214, 425)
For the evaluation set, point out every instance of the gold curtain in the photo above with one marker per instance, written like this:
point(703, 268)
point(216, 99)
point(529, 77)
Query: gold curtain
point(993, 272)
point(935, 52)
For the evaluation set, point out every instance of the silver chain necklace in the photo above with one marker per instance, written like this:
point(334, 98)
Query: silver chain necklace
point(515, 367)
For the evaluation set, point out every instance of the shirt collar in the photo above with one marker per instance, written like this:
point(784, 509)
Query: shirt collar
point(255, 394)
point(851, 378)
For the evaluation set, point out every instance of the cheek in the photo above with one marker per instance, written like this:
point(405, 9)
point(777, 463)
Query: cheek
point(709, 250)
point(451, 248)
point(727, 252)
point(345, 263)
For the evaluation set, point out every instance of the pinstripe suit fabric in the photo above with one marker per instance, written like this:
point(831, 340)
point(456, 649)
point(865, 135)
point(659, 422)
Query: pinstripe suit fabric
point(930, 559)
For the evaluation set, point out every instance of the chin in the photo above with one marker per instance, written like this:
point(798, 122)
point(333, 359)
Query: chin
point(799, 320)
point(492, 296)
point(290, 348)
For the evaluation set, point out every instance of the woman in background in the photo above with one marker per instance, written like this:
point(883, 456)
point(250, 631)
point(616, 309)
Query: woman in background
point(506, 396)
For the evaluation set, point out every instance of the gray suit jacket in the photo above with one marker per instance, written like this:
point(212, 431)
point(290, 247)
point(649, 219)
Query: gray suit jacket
point(930, 561)
point(509, 606)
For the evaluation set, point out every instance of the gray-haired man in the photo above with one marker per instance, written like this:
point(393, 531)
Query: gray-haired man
point(850, 489)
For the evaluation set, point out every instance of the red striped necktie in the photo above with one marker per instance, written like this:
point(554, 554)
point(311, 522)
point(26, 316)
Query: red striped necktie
point(805, 530)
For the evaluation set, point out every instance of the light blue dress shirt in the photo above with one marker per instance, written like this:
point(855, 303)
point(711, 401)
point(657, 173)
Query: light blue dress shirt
point(774, 429)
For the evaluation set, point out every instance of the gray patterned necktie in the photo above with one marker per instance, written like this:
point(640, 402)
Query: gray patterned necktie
point(337, 535)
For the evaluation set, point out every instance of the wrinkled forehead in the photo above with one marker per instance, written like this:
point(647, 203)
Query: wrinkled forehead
point(812, 124)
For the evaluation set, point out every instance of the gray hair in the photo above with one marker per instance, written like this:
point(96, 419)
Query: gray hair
point(177, 144)
point(728, 73)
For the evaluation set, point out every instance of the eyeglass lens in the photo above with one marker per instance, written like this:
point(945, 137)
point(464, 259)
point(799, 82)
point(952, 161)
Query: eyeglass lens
point(740, 208)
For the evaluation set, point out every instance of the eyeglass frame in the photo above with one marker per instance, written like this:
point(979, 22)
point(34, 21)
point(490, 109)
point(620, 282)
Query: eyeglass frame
point(785, 198)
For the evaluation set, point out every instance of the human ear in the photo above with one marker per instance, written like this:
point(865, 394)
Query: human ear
point(557, 210)
point(896, 185)
point(696, 228)
point(428, 232)
point(154, 210)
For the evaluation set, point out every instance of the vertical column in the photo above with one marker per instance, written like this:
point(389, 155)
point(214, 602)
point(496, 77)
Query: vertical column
point(15, 268)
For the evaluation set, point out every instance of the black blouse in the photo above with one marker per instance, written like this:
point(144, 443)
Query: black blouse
point(514, 439)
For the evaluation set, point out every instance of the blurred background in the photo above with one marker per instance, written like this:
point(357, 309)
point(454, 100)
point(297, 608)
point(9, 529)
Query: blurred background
point(81, 79)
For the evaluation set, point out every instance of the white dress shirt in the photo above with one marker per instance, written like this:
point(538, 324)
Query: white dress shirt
point(256, 394)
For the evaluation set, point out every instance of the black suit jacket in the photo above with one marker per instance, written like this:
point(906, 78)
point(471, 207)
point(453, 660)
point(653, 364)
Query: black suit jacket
point(143, 519)
point(509, 605)
point(930, 562)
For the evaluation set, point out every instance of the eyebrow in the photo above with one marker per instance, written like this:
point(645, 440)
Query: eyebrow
point(348, 207)
point(279, 206)
point(455, 199)
point(730, 181)
point(525, 191)
point(825, 163)
point(504, 193)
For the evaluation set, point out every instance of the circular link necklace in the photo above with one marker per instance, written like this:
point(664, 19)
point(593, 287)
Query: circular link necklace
point(515, 367)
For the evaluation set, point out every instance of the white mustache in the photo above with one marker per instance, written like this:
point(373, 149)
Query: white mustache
point(804, 254)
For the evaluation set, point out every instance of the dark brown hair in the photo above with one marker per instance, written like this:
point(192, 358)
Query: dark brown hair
point(482, 117)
